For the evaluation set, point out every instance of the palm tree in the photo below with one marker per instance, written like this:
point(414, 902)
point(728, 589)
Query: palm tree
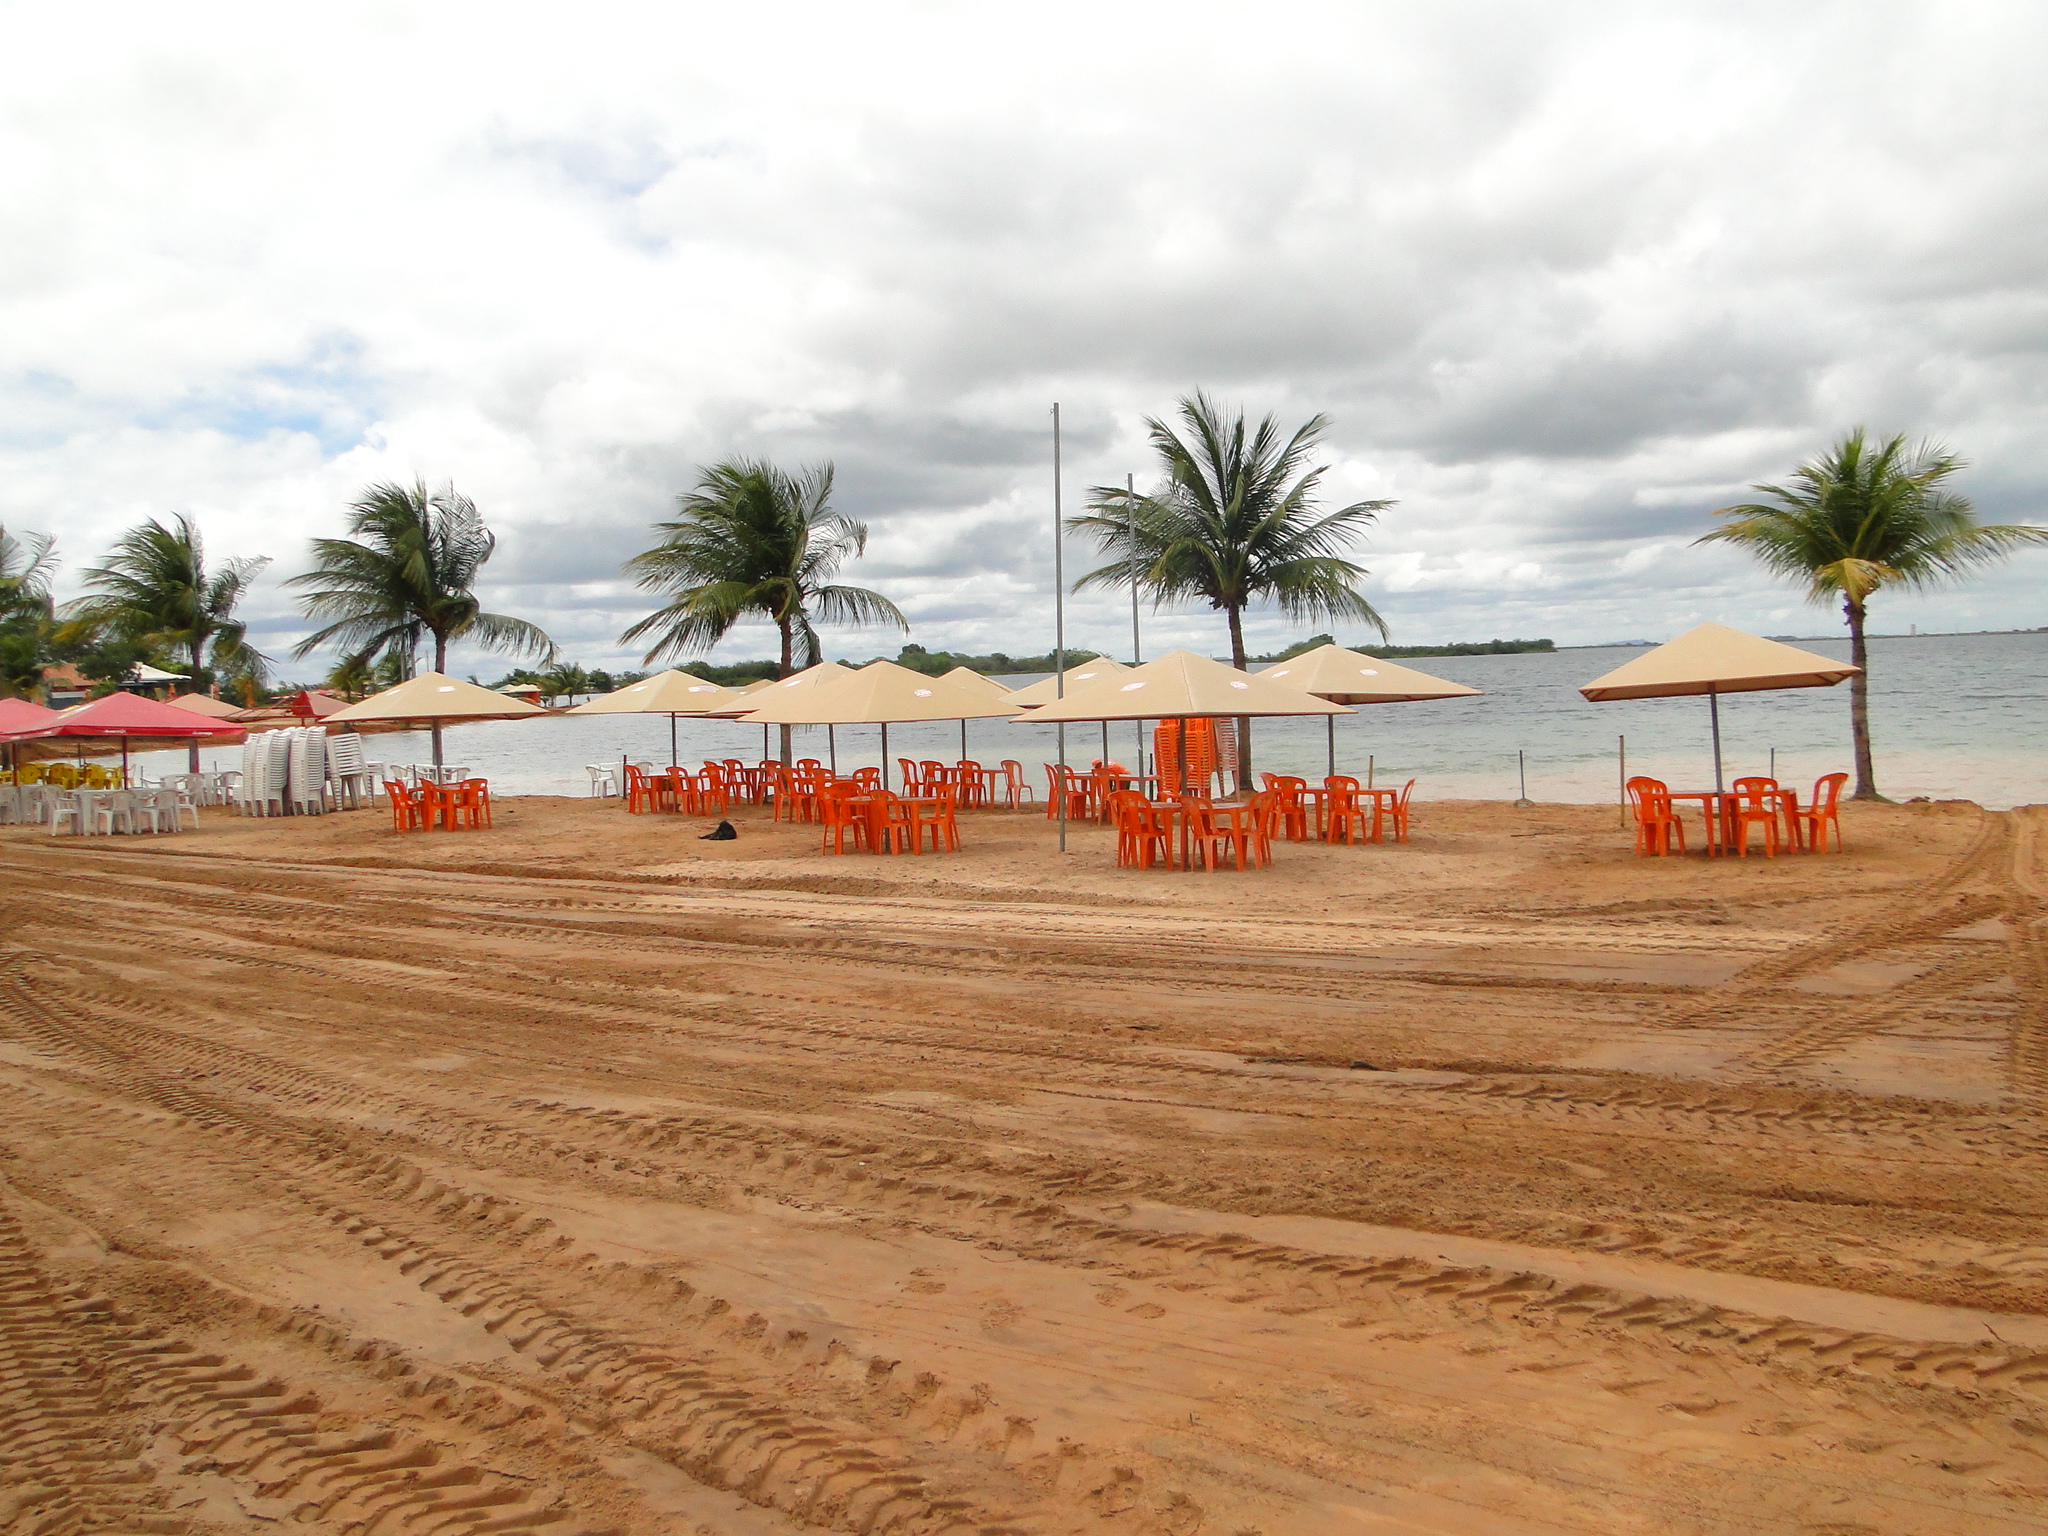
point(1235, 524)
point(26, 567)
point(1861, 517)
point(155, 590)
point(408, 573)
point(754, 540)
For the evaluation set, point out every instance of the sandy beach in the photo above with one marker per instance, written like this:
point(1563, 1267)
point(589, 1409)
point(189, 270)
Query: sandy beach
point(583, 1176)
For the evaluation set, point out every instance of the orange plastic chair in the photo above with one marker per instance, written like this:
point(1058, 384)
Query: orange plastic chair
point(1143, 832)
point(437, 804)
point(1825, 811)
point(1075, 787)
point(1649, 800)
point(711, 791)
point(972, 785)
point(939, 818)
point(408, 813)
point(890, 826)
point(1344, 819)
point(1755, 805)
point(1265, 809)
point(1017, 790)
point(469, 803)
point(1291, 808)
point(1396, 811)
point(639, 791)
point(840, 817)
point(1216, 828)
point(907, 772)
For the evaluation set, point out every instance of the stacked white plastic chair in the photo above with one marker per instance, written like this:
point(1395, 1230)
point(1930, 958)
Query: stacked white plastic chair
point(307, 792)
point(354, 785)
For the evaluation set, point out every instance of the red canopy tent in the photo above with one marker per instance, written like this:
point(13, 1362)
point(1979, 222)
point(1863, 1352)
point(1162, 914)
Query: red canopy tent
point(120, 716)
point(20, 715)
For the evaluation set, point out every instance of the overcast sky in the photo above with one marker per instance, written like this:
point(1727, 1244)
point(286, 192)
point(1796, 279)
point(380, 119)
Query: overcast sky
point(1565, 276)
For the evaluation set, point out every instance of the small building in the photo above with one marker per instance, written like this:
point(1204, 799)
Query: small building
point(64, 686)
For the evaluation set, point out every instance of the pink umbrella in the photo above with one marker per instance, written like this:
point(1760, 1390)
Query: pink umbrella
point(124, 715)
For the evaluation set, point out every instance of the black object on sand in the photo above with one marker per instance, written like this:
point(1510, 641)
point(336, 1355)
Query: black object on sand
point(722, 833)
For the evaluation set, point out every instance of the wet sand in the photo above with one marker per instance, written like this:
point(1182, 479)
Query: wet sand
point(583, 1176)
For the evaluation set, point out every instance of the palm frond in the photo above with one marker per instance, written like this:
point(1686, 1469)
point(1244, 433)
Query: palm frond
point(408, 570)
point(1867, 515)
point(752, 539)
point(1235, 522)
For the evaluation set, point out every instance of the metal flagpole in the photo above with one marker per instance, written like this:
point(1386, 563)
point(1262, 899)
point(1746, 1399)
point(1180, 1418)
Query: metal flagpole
point(1059, 624)
point(1137, 653)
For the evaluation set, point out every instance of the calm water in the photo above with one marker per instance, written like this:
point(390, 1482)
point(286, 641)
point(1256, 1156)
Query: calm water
point(1952, 717)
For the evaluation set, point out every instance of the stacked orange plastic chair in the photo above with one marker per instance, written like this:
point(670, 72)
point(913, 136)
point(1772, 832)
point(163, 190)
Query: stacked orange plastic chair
point(1200, 760)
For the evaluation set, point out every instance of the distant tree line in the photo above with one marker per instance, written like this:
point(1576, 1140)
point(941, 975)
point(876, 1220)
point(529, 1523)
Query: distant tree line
point(1395, 652)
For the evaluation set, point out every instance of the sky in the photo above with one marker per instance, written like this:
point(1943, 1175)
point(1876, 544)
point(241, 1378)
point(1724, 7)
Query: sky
point(1564, 277)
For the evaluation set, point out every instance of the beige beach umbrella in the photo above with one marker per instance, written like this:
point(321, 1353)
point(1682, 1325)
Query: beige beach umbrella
point(745, 700)
point(976, 682)
point(1713, 659)
point(967, 677)
point(1075, 677)
point(880, 693)
point(211, 708)
point(436, 697)
point(1351, 677)
point(1182, 686)
point(670, 693)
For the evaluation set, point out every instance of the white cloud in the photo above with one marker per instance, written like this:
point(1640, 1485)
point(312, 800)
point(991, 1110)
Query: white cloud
point(1566, 277)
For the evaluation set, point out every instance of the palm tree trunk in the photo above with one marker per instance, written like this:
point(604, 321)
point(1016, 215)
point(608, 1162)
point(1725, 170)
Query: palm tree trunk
point(1244, 725)
point(192, 751)
point(788, 658)
point(440, 665)
point(1859, 704)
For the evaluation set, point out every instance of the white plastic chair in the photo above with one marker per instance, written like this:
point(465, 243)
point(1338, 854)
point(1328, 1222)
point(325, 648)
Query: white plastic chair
point(116, 811)
point(65, 808)
point(603, 782)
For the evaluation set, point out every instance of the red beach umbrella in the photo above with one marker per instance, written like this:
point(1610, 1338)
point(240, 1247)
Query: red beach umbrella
point(124, 715)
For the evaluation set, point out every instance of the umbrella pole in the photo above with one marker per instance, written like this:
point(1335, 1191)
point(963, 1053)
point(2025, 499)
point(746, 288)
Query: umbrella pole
point(1180, 789)
point(764, 742)
point(672, 741)
point(885, 754)
point(1714, 714)
point(124, 762)
point(963, 739)
point(1330, 725)
point(832, 747)
point(1105, 741)
point(437, 748)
